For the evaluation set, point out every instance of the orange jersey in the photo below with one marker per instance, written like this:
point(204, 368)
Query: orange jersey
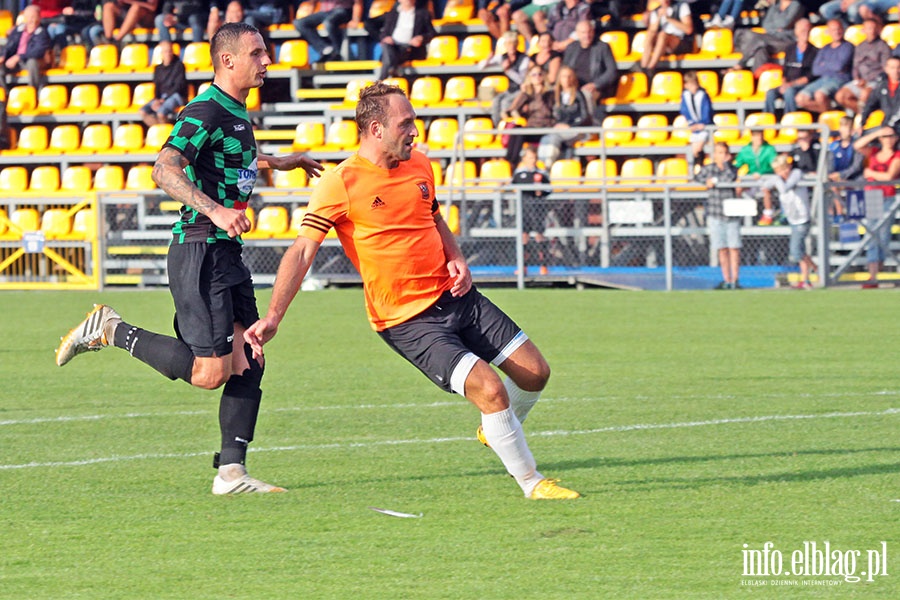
point(384, 219)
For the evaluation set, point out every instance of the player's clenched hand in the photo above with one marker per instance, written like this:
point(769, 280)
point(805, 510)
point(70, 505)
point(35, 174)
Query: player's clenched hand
point(462, 278)
point(258, 334)
point(232, 221)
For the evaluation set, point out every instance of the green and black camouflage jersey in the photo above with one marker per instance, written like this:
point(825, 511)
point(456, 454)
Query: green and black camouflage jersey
point(215, 135)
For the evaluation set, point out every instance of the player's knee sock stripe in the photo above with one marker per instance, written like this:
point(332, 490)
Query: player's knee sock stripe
point(170, 356)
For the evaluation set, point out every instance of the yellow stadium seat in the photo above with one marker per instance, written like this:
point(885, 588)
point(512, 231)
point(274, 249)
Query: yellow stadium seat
point(96, 137)
point(103, 58)
point(499, 83)
point(426, 91)
point(442, 50)
point(565, 173)
point(115, 97)
point(134, 58)
point(832, 118)
point(736, 85)
point(21, 99)
point(272, 221)
point(156, 53)
point(420, 130)
point(44, 179)
point(76, 179)
point(716, 43)
point(458, 11)
point(72, 59)
point(768, 79)
point(819, 36)
point(673, 170)
point(637, 45)
point(612, 123)
point(25, 219)
point(343, 135)
point(637, 171)
point(681, 133)
point(308, 134)
point(598, 171)
point(354, 87)
point(451, 217)
point(709, 81)
point(32, 139)
point(4, 224)
point(143, 93)
point(293, 54)
point(85, 97)
point(64, 138)
point(55, 223)
point(475, 48)
point(52, 98)
point(875, 119)
point(296, 221)
point(651, 130)
point(632, 87)
point(438, 172)
point(459, 90)
point(789, 122)
point(442, 133)
point(84, 225)
point(854, 34)
point(399, 82)
point(726, 128)
point(196, 57)
point(380, 7)
point(472, 137)
point(891, 34)
point(13, 179)
point(139, 178)
point(157, 135)
point(460, 175)
point(128, 137)
point(109, 178)
point(618, 43)
point(495, 172)
point(763, 120)
point(292, 179)
point(666, 86)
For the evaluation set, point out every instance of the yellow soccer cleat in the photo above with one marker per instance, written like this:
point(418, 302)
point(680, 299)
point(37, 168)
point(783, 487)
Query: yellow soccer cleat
point(90, 335)
point(479, 433)
point(547, 489)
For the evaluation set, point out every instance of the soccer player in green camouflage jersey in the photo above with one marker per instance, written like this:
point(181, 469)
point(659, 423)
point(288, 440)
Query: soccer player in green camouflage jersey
point(209, 164)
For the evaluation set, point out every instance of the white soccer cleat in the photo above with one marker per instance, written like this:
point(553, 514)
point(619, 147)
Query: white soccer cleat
point(242, 485)
point(90, 335)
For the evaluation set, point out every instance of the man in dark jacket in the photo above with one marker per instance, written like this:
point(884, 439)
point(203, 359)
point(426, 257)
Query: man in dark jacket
point(26, 48)
point(170, 84)
point(798, 62)
point(885, 97)
point(405, 36)
point(594, 65)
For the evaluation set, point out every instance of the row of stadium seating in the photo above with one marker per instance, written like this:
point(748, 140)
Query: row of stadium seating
point(76, 179)
point(55, 223)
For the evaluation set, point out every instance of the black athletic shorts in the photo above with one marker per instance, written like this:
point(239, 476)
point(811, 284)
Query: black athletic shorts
point(448, 332)
point(212, 289)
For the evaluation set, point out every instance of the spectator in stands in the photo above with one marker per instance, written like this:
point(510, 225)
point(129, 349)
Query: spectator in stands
point(170, 88)
point(405, 36)
point(884, 97)
point(497, 14)
point(334, 14)
point(868, 66)
point(875, 9)
point(724, 232)
point(78, 16)
point(882, 160)
point(805, 152)
point(696, 107)
point(757, 47)
point(592, 61)
point(374, 24)
point(670, 30)
point(126, 15)
point(534, 104)
point(546, 57)
point(797, 71)
point(535, 208)
point(181, 15)
point(845, 10)
point(612, 11)
point(570, 109)
point(757, 156)
point(843, 164)
point(26, 48)
point(562, 19)
point(831, 70)
point(232, 12)
point(262, 14)
point(515, 66)
point(794, 201)
point(5, 141)
point(531, 19)
point(727, 16)
point(52, 17)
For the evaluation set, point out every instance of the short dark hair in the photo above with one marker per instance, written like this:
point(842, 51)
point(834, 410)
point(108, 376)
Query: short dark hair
point(227, 38)
point(372, 105)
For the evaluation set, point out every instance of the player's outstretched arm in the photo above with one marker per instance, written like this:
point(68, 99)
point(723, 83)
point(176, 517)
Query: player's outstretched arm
point(289, 162)
point(293, 268)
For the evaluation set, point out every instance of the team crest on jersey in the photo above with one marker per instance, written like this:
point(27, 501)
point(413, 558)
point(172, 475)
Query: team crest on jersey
point(424, 188)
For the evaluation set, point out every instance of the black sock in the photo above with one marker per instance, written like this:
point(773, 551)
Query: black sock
point(170, 356)
point(238, 411)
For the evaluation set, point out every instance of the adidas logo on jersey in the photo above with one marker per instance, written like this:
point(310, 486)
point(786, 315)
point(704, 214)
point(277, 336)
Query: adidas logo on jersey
point(377, 202)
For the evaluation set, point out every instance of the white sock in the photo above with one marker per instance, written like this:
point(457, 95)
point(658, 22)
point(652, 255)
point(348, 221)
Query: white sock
point(504, 433)
point(519, 400)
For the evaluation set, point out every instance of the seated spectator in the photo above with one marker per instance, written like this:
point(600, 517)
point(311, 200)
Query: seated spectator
point(374, 25)
point(127, 15)
point(52, 17)
point(78, 16)
point(534, 104)
point(728, 14)
point(405, 36)
point(757, 48)
point(181, 15)
point(884, 97)
point(515, 66)
point(794, 201)
point(26, 48)
point(535, 208)
point(670, 30)
point(264, 13)
point(797, 71)
point(831, 70)
point(805, 153)
point(334, 14)
point(170, 88)
point(496, 15)
point(757, 156)
point(531, 19)
point(875, 9)
point(562, 18)
point(570, 109)
point(696, 107)
point(232, 12)
point(868, 66)
point(546, 57)
point(724, 232)
point(843, 163)
point(847, 11)
point(592, 61)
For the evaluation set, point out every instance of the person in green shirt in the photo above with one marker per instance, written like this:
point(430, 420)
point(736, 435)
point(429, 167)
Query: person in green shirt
point(757, 156)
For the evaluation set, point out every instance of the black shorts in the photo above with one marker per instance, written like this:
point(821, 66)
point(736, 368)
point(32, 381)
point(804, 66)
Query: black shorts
point(212, 290)
point(534, 216)
point(437, 340)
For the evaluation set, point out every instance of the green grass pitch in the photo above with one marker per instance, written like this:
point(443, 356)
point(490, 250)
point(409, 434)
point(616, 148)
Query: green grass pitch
point(698, 425)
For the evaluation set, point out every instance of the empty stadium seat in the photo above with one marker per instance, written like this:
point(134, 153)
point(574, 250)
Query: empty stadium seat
point(726, 128)
point(498, 83)
point(84, 225)
point(109, 178)
point(475, 48)
point(64, 138)
point(458, 11)
point(632, 87)
point(272, 221)
point(293, 54)
point(651, 130)
point(157, 135)
point(342, 135)
point(716, 43)
point(736, 85)
point(768, 79)
point(451, 217)
point(854, 34)
point(459, 90)
point(637, 171)
point(76, 179)
point(565, 173)
point(442, 50)
point(140, 178)
point(21, 99)
point(115, 97)
point(600, 169)
point(618, 43)
point(709, 81)
point(438, 172)
point(13, 179)
point(472, 137)
point(612, 123)
point(759, 120)
point(25, 219)
point(891, 34)
point(56, 223)
point(143, 93)
point(84, 97)
point(103, 58)
point(308, 134)
point(666, 86)
point(72, 59)
point(96, 137)
point(495, 172)
point(399, 82)
point(134, 58)
point(156, 53)
point(673, 170)
point(296, 221)
point(128, 137)
point(291, 179)
point(426, 91)
point(52, 98)
point(442, 133)
point(32, 139)
point(196, 57)
point(460, 174)
point(44, 178)
point(681, 133)
point(832, 118)
point(819, 36)
point(789, 122)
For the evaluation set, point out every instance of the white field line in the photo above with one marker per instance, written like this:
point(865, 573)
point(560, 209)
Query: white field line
point(370, 444)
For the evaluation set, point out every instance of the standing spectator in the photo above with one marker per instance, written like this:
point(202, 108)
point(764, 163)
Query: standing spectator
point(831, 70)
point(805, 153)
point(868, 65)
point(696, 107)
point(515, 66)
point(879, 147)
point(181, 15)
point(546, 57)
point(405, 36)
point(26, 48)
point(797, 72)
point(562, 18)
point(884, 96)
point(570, 109)
point(126, 15)
point(170, 88)
point(757, 47)
point(333, 14)
point(670, 30)
point(231, 12)
point(757, 156)
point(843, 164)
point(535, 208)
point(595, 67)
point(724, 232)
point(794, 201)
point(534, 104)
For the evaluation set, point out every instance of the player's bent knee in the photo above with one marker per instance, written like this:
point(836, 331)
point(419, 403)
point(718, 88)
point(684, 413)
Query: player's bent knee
point(210, 373)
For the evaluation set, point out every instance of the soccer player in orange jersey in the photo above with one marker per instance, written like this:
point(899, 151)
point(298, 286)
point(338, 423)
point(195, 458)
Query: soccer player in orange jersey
point(418, 289)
